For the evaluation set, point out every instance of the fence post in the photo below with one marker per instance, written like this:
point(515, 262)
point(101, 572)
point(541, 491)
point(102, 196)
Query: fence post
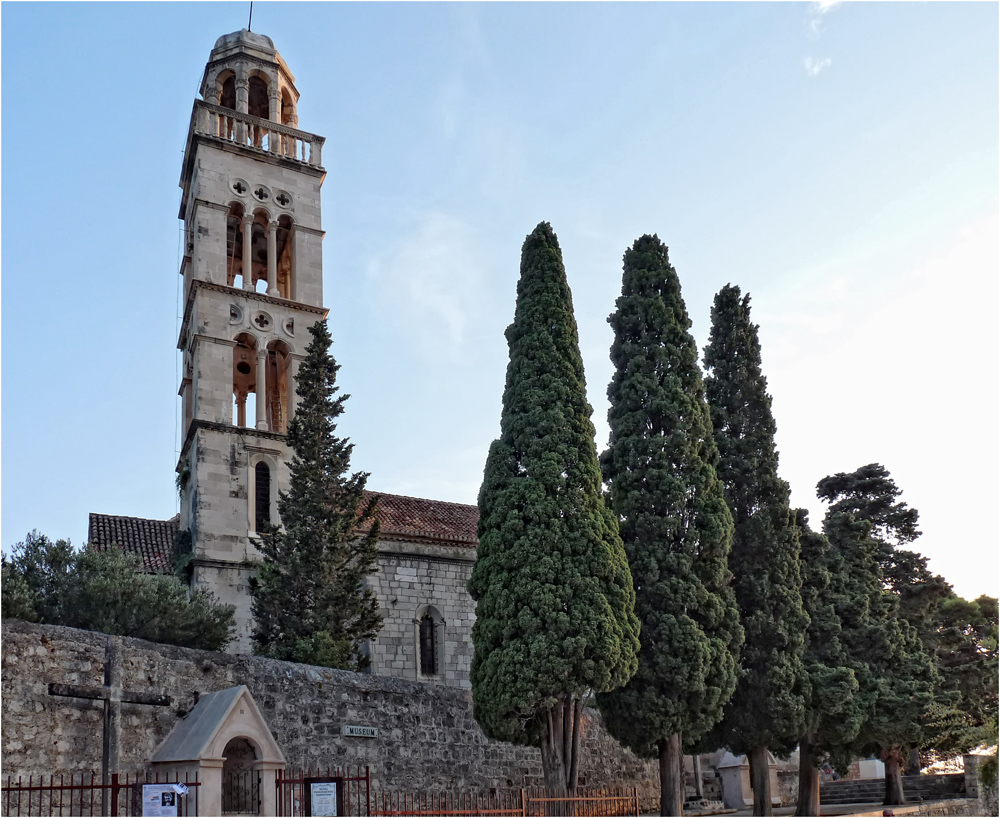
point(368, 789)
point(524, 802)
point(636, 791)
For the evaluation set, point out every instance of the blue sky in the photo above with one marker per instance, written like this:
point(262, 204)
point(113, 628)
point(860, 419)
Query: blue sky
point(839, 162)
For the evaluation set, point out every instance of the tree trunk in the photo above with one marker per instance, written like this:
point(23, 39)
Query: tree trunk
point(553, 768)
point(808, 800)
point(671, 786)
point(893, 780)
point(760, 781)
point(913, 763)
point(699, 785)
point(560, 743)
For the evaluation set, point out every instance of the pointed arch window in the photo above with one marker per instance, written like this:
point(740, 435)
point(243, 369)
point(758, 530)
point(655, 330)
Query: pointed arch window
point(262, 496)
point(428, 646)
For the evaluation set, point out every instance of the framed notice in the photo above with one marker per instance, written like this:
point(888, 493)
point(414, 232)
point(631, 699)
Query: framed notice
point(159, 799)
point(324, 796)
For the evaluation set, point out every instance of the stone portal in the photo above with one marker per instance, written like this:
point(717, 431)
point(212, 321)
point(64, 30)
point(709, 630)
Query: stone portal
point(227, 743)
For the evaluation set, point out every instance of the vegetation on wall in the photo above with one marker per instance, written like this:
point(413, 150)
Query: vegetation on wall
point(53, 584)
point(309, 601)
point(554, 612)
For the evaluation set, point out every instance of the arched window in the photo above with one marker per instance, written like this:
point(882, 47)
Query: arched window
point(227, 97)
point(286, 271)
point(244, 379)
point(428, 646)
point(279, 387)
point(262, 496)
point(257, 104)
point(234, 245)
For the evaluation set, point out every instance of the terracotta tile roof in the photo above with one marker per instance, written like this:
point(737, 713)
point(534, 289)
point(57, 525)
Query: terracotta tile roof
point(408, 517)
point(152, 540)
point(400, 518)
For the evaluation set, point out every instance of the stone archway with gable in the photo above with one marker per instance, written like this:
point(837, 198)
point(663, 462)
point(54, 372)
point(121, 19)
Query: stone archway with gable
point(227, 742)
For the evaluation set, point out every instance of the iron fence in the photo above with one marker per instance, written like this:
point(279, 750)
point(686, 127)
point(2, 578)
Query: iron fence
point(527, 802)
point(55, 795)
point(291, 796)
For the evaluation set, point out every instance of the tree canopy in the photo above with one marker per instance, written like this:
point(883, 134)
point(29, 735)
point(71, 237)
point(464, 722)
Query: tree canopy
point(767, 710)
point(106, 591)
point(554, 598)
point(662, 484)
point(896, 677)
point(310, 603)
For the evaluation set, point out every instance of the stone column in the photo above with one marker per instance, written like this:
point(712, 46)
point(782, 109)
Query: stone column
point(262, 424)
point(241, 410)
point(242, 102)
point(272, 258)
point(248, 251)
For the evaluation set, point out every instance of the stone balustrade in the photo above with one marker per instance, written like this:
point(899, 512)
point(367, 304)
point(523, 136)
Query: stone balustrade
point(257, 133)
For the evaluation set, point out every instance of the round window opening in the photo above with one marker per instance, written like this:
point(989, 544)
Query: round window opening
point(243, 368)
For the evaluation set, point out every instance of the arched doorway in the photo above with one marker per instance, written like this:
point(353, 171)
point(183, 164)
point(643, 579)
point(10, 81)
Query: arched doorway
point(240, 779)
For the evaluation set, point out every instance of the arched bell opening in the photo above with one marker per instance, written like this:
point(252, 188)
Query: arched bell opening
point(288, 115)
point(283, 239)
point(258, 250)
point(226, 90)
point(257, 103)
point(234, 245)
point(244, 380)
point(240, 778)
point(279, 386)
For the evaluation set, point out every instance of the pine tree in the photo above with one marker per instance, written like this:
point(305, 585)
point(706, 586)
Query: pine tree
point(309, 600)
point(896, 677)
point(834, 712)
point(767, 710)
point(554, 612)
point(660, 471)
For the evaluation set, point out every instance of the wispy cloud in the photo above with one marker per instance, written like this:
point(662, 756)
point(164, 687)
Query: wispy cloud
point(814, 65)
point(431, 285)
point(817, 11)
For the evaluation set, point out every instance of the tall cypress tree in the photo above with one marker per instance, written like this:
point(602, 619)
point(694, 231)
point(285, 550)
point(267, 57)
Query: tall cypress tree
point(660, 471)
point(767, 710)
point(309, 602)
point(834, 712)
point(554, 599)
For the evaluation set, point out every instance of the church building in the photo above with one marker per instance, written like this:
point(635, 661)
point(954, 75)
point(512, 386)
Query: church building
point(253, 283)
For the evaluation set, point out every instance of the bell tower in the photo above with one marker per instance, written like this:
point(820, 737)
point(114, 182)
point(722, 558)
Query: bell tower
point(253, 284)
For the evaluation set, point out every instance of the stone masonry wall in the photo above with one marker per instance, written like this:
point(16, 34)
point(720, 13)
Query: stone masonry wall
point(428, 738)
point(409, 580)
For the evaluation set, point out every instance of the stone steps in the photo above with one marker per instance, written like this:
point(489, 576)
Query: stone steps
point(915, 788)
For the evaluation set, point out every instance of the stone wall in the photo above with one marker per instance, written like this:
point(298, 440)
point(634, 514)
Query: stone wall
point(411, 580)
point(427, 739)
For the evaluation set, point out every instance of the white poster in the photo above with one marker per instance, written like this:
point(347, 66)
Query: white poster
point(160, 799)
point(323, 795)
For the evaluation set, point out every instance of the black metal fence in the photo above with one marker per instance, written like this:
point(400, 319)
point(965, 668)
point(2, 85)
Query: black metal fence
point(291, 796)
point(85, 794)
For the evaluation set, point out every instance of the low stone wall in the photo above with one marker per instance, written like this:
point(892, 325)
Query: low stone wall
point(427, 739)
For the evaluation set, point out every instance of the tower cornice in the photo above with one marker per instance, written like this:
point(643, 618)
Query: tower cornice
point(237, 292)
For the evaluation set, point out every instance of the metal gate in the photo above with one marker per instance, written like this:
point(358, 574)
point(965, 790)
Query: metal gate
point(240, 792)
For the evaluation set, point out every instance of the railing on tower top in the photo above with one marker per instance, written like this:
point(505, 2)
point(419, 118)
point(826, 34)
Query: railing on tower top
point(257, 133)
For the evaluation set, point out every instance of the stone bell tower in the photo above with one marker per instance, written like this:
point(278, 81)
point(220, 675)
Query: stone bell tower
point(253, 284)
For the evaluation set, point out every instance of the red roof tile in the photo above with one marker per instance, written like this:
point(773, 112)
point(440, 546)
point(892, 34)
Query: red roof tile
point(152, 540)
point(400, 518)
point(403, 517)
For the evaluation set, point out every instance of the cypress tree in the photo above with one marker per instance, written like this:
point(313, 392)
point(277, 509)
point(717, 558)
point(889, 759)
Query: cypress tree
point(834, 712)
point(660, 471)
point(767, 710)
point(309, 603)
point(554, 599)
point(896, 676)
